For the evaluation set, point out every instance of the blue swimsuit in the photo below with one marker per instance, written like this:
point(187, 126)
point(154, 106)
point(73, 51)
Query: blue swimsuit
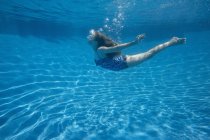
point(116, 63)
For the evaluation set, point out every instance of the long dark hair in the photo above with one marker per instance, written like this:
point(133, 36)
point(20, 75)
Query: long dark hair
point(103, 40)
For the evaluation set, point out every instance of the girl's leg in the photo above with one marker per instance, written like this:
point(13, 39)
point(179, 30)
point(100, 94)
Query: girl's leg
point(133, 60)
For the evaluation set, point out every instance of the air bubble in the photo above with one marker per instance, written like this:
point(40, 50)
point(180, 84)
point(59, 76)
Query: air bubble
point(107, 19)
point(114, 25)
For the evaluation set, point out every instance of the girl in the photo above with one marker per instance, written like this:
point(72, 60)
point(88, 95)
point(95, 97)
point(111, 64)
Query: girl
point(108, 53)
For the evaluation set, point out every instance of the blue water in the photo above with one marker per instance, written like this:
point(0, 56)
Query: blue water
point(50, 87)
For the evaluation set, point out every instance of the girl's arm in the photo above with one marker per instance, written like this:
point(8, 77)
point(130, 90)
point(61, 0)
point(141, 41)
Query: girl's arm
point(119, 47)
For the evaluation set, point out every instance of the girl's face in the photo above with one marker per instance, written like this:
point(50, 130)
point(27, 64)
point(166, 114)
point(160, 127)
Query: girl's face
point(91, 38)
point(92, 35)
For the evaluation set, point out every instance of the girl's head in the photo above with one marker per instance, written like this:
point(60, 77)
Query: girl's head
point(98, 39)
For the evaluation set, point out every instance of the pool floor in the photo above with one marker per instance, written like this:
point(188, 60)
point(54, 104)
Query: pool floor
point(53, 90)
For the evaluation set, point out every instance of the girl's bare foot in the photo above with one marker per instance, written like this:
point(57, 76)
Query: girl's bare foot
point(177, 41)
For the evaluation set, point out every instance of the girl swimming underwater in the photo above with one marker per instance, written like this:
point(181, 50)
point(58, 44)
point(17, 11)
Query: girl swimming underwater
point(108, 53)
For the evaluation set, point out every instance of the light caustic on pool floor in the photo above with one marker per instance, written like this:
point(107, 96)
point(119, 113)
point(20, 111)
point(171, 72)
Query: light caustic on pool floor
point(42, 99)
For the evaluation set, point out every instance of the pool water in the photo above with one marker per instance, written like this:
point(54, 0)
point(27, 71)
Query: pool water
point(50, 87)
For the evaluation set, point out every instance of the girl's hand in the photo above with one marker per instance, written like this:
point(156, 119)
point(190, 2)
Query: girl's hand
point(140, 37)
